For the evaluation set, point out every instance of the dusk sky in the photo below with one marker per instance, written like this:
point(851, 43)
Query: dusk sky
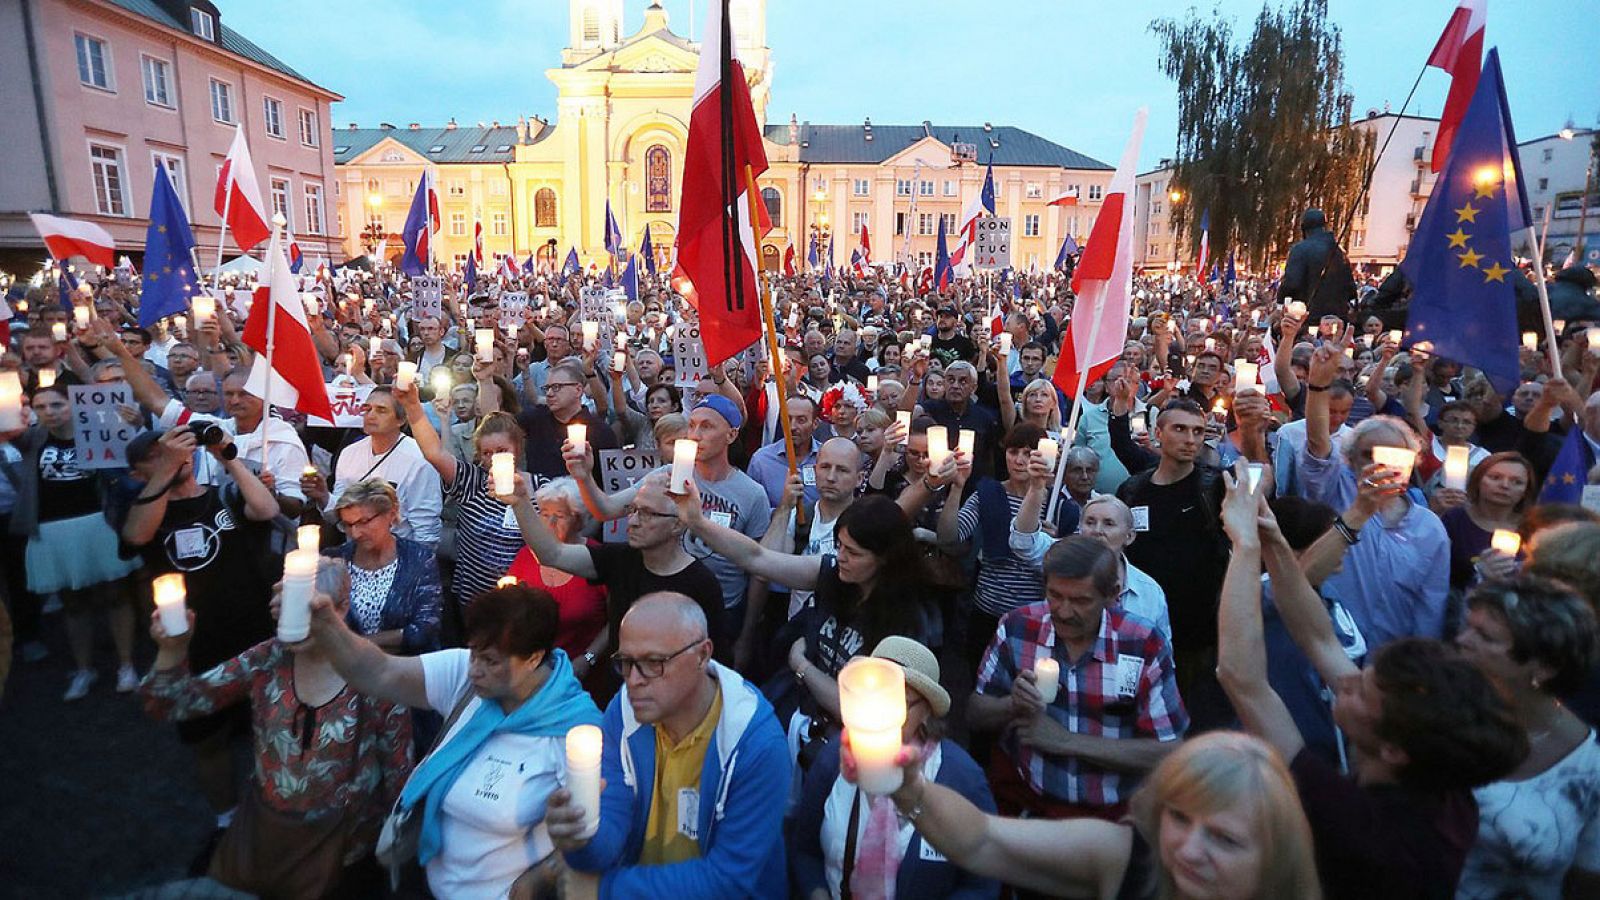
point(1070, 70)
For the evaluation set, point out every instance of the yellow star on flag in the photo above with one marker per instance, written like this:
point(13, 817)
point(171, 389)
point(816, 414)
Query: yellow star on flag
point(1483, 189)
point(162, 229)
point(1569, 478)
point(1459, 238)
point(1469, 259)
point(1467, 213)
point(1494, 273)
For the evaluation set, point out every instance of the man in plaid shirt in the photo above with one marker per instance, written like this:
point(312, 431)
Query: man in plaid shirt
point(1116, 712)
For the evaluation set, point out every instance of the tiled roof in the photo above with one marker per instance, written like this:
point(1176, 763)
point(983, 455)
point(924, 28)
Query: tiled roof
point(232, 41)
point(455, 145)
point(848, 144)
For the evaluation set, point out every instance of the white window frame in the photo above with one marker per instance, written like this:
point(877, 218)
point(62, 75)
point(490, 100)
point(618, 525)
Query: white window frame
point(177, 172)
point(863, 187)
point(1030, 225)
point(949, 223)
point(280, 189)
point(103, 202)
point(950, 187)
point(925, 223)
point(227, 95)
point(455, 187)
point(925, 189)
point(1096, 191)
point(81, 39)
point(902, 187)
point(858, 219)
point(1033, 191)
point(202, 23)
point(315, 209)
point(497, 224)
point(308, 135)
point(458, 224)
point(269, 106)
point(497, 187)
point(149, 65)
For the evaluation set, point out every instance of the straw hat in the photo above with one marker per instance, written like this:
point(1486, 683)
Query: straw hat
point(922, 669)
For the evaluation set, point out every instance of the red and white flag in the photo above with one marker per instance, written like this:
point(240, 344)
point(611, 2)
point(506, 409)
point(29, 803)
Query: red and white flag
point(69, 237)
point(717, 252)
point(278, 319)
point(1103, 281)
point(788, 261)
point(1068, 197)
point(477, 242)
point(1459, 52)
point(238, 196)
point(866, 245)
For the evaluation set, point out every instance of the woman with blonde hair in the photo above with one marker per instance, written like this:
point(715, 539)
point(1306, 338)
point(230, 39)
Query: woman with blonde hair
point(394, 582)
point(1039, 405)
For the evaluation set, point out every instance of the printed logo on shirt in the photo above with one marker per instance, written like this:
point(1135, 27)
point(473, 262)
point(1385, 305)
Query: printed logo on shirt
point(1129, 671)
point(493, 774)
point(928, 853)
point(689, 813)
point(192, 549)
point(60, 464)
point(719, 510)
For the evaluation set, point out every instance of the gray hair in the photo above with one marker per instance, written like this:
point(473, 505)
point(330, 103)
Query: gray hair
point(961, 365)
point(1381, 423)
point(565, 490)
point(374, 493)
point(1079, 452)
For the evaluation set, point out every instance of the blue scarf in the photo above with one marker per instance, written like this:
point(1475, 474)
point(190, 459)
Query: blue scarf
point(557, 706)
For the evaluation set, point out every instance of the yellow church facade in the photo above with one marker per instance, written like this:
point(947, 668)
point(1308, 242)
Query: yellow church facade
point(540, 187)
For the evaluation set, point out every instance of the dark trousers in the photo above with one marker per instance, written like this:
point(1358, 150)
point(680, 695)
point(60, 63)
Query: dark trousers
point(24, 604)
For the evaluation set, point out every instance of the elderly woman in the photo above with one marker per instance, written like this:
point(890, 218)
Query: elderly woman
point(1498, 491)
point(846, 842)
point(394, 582)
point(582, 632)
point(329, 762)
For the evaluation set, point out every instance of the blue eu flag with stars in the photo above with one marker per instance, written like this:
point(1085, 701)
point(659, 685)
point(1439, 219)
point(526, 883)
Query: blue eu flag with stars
point(169, 279)
point(1459, 262)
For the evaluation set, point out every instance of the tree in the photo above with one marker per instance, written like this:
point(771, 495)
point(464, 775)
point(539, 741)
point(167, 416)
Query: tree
point(1264, 129)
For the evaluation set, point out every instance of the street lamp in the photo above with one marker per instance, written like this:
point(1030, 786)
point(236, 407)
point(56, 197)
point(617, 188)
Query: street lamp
point(1175, 196)
point(1568, 132)
point(373, 234)
point(819, 223)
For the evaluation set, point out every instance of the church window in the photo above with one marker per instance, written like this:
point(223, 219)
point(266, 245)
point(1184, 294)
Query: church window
point(544, 208)
point(774, 203)
point(658, 179)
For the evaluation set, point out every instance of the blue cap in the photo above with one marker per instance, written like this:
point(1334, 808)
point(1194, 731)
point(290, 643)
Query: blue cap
point(723, 406)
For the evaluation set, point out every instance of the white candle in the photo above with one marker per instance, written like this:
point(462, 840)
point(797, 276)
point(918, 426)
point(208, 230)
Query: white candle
point(619, 362)
point(1047, 676)
point(1530, 341)
point(683, 454)
point(1295, 308)
point(80, 317)
point(47, 377)
point(1244, 375)
point(926, 341)
point(1394, 336)
point(584, 744)
point(58, 332)
point(591, 333)
point(1141, 423)
point(507, 581)
point(1254, 471)
point(904, 418)
point(576, 433)
point(1594, 339)
point(299, 580)
point(180, 322)
point(1050, 449)
point(872, 703)
point(11, 401)
point(406, 375)
point(503, 471)
point(938, 446)
point(442, 382)
point(966, 438)
point(367, 306)
point(374, 347)
point(1205, 325)
point(1560, 324)
point(1507, 542)
point(169, 593)
point(1401, 459)
point(484, 337)
point(1455, 467)
point(872, 384)
point(1005, 342)
point(205, 308)
point(1211, 344)
point(310, 537)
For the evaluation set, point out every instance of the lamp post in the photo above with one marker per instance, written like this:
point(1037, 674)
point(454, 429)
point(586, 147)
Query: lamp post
point(820, 232)
point(373, 233)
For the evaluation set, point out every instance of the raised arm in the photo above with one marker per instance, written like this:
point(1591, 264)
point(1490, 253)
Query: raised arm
point(1282, 361)
point(427, 439)
point(546, 547)
point(145, 389)
point(367, 669)
point(1323, 370)
point(785, 568)
point(1302, 610)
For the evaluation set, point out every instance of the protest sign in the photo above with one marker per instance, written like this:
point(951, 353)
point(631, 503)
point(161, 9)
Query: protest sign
point(513, 311)
point(619, 469)
point(688, 355)
point(347, 400)
point(427, 297)
point(994, 243)
point(595, 304)
point(99, 432)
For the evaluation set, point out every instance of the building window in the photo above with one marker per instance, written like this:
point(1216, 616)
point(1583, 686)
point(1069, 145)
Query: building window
point(1155, 227)
point(863, 187)
point(203, 24)
point(313, 209)
point(222, 101)
point(773, 200)
point(308, 127)
point(157, 81)
point(173, 163)
point(1033, 191)
point(924, 259)
point(1095, 191)
point(949, 222)
point(1548, 154)
point(859, 221)
point(1361, 237)
point(497, 188)
point(94, 62)
point(924, 224)
point(455, 187)
point(658, 180)
point(280, 199)
point(925, 189)
point(497, 222)
point(110, 187)
point(902, 187)
point(1544, 184)
point(1030, 225)
point(272, 116)
point(458, 224)
point(899, 224)
point(544, 208)
point(949, 187)
point(1156, 207)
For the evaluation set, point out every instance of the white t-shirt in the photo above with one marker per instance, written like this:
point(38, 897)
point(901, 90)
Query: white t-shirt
point(284, 454)
point(820, 543)
point(415, 480)
point(492, 819)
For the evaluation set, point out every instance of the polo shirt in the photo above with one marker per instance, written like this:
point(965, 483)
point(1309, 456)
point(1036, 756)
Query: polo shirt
point(671, 834)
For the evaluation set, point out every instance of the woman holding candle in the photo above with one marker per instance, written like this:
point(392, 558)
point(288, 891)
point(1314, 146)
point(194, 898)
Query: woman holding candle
point(1038, 406)
point(329, 762)
point(394, 582)
point(1498, 491)
point(582, 633)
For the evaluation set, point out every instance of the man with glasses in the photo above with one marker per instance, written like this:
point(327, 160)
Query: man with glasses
point(203, 393)
point(959, 410)
point(388, 453)
point(546, 424)
point(557, 347)
point(695, 767)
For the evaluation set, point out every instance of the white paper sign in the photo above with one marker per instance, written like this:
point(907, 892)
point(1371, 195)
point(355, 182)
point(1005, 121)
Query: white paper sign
point(427, 297)
point(688, 356)
point(347, 401)
point(513, 310)
point(595, 304)
point(98, 431)
point(994, 243)
point(619, 469)
point(1591, 497)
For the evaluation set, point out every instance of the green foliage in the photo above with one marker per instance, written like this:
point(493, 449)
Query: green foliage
point(1264, 128)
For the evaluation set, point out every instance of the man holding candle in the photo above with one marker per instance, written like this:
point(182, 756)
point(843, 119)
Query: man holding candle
point(545, 426)
point(385, 452)
point(959, 410)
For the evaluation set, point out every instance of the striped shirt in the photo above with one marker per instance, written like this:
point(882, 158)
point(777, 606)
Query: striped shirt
point(487, 536)
point(1003, 584)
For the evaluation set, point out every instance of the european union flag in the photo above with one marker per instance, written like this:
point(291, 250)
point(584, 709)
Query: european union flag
point(812, 259)
point(630, 279)
point(169, 279)
point(941, 261)
point(571, 267)
point(1230, 275)
point(1570, 471)
point(1069, 247)
point(471, 276)
point(613, 233)
point(1460, 257)
point(647, 251)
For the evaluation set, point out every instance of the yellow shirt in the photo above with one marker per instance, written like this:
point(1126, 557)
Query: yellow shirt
point(672, 834)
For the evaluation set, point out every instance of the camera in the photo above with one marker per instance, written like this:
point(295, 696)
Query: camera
point(209, 434)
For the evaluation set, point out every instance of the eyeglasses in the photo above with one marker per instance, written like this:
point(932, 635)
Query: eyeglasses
point(638, 512)
point(650, 667)
point(553, 387)
point(346, 527)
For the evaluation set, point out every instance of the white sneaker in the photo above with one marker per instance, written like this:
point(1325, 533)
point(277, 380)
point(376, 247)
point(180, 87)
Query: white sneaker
point(127, 680)
point(81, 682)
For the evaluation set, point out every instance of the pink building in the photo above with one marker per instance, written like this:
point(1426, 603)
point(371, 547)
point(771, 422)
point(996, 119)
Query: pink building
point(95, 94)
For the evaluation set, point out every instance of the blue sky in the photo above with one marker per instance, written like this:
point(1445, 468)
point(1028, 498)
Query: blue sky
point(1070, 70)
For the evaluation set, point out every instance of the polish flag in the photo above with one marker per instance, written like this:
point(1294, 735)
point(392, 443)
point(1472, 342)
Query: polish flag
point(278, 332)
point(477, 241)
point(717, 220)
point(788, 261)
point(238, 197)
point(1459, 52)
point(1068, 197)
point(68, 237)
point(1103, 281)
point(866, 245)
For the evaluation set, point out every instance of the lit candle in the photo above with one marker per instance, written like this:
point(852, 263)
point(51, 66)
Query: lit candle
point(1594, 339)
point(58, 332)
point(1295, 308)
point(471, 326)
point(1047, 676)
point(80, 317)
point(1455, 467)
point(904, 418)
point(442, 382)
point(591, 333)
point(310, 301)
point(299, 580)
point(10, 401)
point(180, 322)
point(966, 439)
point(1050, 449)
point(1507, 542)
point(367, 306)
point(485, 341)
point(507, 581)
point(619, 362)
point(576, 432)
point(926, 341)
point(1254, 471)
point(1560, 324)
point(1211, 344)
point(1005, 342)
point(1530, 341)
point(503, 470)
point(1205, 325)
point(938, 446)
point(584, 743)
point(1244, 375)
point(47, 377)
point(1394, 336)
point(309, 472)
point(406, 375)
point(169, 593)
point(1401, 459)
point(683, 454)
point(374, 347)
point(622, 340)
point(872, 384)
point(310, 537)
point(872, 704)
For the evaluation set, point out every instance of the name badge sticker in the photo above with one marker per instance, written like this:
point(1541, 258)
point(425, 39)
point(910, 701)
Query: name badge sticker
point(1141, 518)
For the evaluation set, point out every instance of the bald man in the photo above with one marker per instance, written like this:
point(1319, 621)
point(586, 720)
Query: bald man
point(695, 769)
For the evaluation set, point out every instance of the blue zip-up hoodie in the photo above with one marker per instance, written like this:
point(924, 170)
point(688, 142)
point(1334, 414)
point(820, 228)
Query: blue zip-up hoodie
point(743, 783)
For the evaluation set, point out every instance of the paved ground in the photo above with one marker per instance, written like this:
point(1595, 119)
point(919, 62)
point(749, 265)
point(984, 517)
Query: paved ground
point(95, 799)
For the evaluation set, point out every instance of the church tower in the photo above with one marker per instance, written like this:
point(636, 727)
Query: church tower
point(749, 26)
point(594, 24)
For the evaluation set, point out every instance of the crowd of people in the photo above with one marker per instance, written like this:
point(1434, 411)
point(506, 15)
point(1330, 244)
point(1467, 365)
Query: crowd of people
point(1192, 634)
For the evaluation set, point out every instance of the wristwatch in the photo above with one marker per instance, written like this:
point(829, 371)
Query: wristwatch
point(590, 659)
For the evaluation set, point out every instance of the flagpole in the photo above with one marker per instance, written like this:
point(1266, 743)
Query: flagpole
point(278, 222)
point(769, 328)
point(1544, 294)
point(222, 236)
point(1069, 432)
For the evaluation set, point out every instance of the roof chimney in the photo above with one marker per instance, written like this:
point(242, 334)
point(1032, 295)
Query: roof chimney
point(353, 126)
point(522, 129)
point(794, 129)
point(987, 128)
point(495, 124)
point(415, 126)
point(386, 126)
point(450, 125)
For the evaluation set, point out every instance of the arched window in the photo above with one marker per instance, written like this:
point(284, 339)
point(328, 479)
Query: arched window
point(544, 208)
point(774, 202)
point(658, 179)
